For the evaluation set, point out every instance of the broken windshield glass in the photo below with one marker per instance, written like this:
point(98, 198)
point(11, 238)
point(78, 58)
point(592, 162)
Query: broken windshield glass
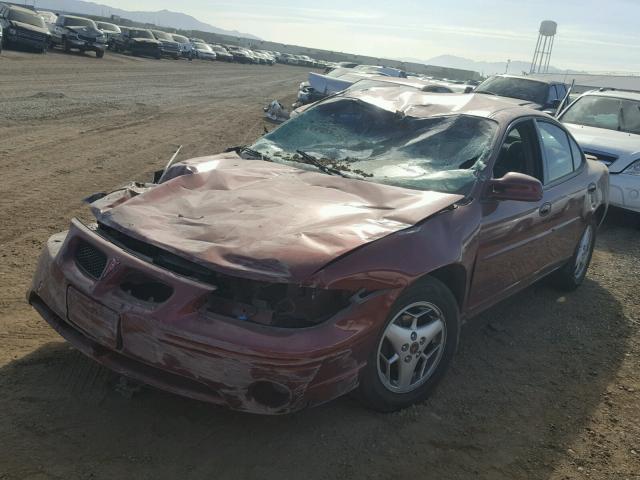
point(442, 153)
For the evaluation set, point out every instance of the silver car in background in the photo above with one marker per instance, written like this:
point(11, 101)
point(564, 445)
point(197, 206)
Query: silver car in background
point(606, 124)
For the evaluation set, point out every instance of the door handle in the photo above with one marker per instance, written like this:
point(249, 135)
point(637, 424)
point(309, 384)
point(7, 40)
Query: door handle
point(592, 188)
point(545, 209)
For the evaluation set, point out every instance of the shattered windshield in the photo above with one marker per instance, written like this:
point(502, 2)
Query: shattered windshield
point(605, 112)
point(28, 18)
point(356, 139)
point(519, 88)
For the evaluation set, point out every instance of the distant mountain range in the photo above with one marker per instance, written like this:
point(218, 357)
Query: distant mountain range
point(516, 67)
point(161, 18)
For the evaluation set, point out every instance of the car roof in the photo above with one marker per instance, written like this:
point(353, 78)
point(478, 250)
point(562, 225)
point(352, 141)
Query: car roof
point(409, 101)
point(615, 94)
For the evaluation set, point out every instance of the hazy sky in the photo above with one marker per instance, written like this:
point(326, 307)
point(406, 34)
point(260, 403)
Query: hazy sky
point(592, 35)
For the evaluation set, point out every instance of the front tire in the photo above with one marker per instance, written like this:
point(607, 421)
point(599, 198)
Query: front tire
point(573, 273)
point(99, 53)
point(414, 348)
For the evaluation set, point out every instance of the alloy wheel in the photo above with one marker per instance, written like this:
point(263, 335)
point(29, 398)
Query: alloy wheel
point(411, 347)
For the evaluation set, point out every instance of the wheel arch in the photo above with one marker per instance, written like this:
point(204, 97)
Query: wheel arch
point(600, 213)
point(454, 277)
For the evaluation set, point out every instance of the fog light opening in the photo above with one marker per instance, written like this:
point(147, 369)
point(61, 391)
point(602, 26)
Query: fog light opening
point(269, 394)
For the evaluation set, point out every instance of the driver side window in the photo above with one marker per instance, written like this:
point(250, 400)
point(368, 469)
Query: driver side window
point(520, 152)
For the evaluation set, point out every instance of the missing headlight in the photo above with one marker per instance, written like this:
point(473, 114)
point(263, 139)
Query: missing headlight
point(276, 304)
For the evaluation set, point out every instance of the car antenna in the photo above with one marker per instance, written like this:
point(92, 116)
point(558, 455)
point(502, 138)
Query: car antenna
point(166, 169)
point(565, 100)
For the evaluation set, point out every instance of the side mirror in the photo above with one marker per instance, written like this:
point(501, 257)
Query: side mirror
point(515, 186)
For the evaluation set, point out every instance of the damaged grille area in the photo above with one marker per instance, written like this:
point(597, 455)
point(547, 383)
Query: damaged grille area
point(276, 304)
point(91, 260)
point(157, 256)
point(146, 289)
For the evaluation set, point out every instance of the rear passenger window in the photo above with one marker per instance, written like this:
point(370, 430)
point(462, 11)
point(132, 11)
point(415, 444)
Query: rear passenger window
point(576, 153)
point(558, 157)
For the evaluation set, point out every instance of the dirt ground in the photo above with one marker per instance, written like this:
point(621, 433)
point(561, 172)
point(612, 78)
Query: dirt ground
point(545, 386)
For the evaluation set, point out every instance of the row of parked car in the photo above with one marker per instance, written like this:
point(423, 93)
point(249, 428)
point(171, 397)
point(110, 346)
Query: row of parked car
point(42, 30)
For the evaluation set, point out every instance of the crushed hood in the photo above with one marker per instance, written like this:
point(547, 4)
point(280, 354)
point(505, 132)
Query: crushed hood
point(264, 220)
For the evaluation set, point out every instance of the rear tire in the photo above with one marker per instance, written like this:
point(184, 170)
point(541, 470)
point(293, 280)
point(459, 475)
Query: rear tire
point(573, 273)
point(403, 371)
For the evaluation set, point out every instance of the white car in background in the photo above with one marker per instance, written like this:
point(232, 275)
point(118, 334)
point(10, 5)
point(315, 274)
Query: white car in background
point(204, 51)
point(187, 49)
point(606, 124)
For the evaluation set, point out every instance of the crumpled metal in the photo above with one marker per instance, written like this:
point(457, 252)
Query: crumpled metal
point(264, 220)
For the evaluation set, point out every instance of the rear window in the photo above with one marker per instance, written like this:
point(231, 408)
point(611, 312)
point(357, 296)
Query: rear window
point(520, 88)
point(109, 27)
point(25, 17)
point(610, 113)
point(162, 36)
point(140, 34)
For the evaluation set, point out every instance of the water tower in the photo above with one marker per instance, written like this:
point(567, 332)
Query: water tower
point(544, 47)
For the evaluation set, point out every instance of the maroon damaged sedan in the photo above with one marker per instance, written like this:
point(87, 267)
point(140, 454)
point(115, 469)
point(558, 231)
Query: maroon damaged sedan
point(340, 252)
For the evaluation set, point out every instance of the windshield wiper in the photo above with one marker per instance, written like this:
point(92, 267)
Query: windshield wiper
point(254, 153)
point(310, 159)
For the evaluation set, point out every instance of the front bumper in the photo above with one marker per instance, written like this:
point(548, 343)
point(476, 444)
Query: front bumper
point(145, 49)
point(206, 56)
point(624, 191)
point(26, 39)
point(180, 347)
point(86, 45)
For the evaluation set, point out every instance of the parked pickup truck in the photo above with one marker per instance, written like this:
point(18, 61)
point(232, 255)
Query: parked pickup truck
point(137, 41)
point(71, 32)
point(22, 28)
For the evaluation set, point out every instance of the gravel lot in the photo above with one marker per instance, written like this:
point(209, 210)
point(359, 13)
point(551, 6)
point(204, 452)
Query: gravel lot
point(545, 385)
